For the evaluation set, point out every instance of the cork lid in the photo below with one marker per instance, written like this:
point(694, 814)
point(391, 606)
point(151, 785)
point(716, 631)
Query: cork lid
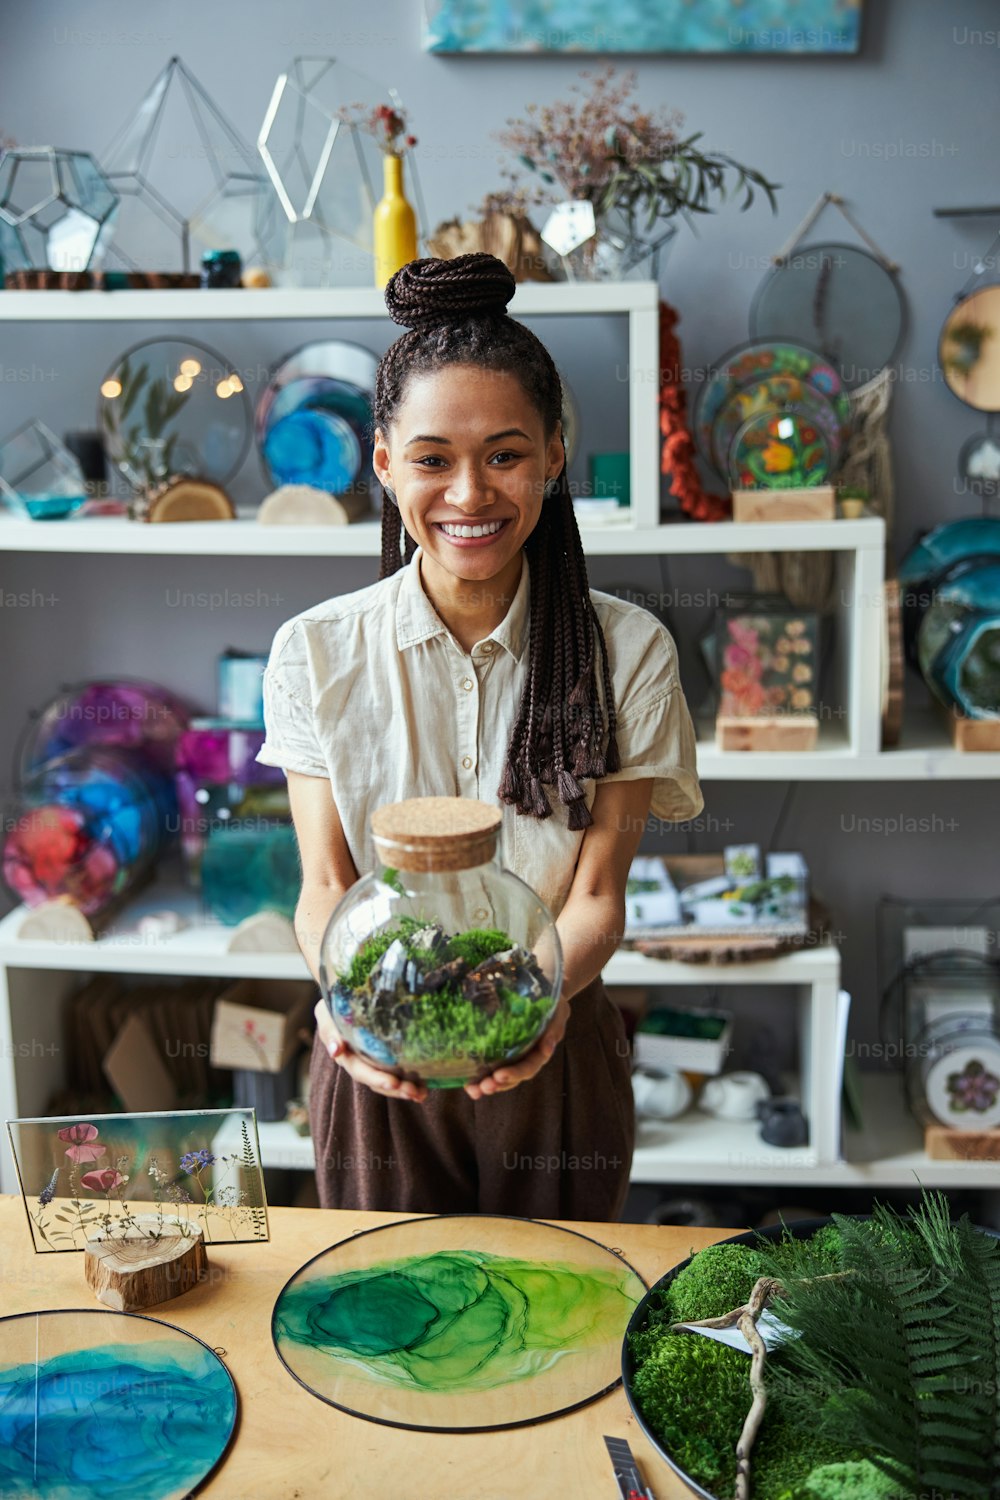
point(436, 833)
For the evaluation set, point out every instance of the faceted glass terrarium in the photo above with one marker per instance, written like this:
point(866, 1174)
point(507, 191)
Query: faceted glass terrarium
point(326, 172)
point(39, 477)
point(607, 248)
point(184, 174)
point(440, 965)
point(57, 210)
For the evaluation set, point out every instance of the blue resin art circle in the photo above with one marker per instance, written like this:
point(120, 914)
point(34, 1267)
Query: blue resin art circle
point(98, 1405)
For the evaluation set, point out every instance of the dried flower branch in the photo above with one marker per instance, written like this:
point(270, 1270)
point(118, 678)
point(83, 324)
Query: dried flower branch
point(383, 123)
point(607, 150)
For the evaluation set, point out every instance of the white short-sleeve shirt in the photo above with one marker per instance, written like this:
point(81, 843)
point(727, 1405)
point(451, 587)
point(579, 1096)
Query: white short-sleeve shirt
point(373, 692)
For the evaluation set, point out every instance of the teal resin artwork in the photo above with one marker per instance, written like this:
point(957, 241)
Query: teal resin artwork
point(108, 1406)
point(748, 26)
point(458, 1337)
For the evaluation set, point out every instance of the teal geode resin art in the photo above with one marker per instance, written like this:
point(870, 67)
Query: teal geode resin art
point(455, 1323)
point(98, 1405)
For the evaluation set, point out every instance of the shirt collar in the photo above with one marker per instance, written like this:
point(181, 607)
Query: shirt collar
point(417, 620)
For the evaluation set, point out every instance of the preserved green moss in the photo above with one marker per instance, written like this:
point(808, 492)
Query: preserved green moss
point(719, 1278)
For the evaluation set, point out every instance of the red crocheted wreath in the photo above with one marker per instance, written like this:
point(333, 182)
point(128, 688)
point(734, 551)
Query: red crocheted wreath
point(677, 454)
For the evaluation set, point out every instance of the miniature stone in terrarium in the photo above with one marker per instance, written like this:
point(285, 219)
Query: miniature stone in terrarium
point(440, 965)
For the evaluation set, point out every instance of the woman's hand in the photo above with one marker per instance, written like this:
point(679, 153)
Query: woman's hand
point(509, 1075)
point(361, 1071)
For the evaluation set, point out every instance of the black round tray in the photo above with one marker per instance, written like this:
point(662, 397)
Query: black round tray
point(800, 1229)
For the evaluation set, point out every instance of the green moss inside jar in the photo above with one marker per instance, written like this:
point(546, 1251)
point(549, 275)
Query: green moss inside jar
point(440, 965)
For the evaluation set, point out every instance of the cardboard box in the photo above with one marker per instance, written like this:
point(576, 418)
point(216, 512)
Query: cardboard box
point(256, 1023)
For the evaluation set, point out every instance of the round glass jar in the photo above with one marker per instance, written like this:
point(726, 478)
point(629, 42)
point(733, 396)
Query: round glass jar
point(440, 965)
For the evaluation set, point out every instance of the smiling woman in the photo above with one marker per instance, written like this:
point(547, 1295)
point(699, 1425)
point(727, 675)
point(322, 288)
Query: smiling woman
point(481, 664)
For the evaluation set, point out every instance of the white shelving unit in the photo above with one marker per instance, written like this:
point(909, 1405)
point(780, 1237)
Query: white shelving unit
point(36, 978)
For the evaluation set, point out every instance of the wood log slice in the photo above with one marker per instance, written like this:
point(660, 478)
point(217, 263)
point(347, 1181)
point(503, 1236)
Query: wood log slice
point(130, 1270)
point(264, 932)
point(189, 499)
point(303, 505)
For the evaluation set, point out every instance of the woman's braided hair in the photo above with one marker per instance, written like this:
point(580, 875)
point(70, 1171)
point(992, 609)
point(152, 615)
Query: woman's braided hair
point(456, 313)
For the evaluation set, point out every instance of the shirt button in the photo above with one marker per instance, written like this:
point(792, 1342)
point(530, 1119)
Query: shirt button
point(487, 645)
point(467, 762)
point(467, 684)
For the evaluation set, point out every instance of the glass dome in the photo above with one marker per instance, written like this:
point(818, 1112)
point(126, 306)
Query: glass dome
point(440, 965)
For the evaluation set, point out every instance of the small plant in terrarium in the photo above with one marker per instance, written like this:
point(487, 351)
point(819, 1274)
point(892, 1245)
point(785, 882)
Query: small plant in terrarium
point(440, 965)
point(152, 403)
point(447, 1007)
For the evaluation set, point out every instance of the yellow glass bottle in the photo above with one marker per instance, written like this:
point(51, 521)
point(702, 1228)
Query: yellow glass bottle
point(394, 224)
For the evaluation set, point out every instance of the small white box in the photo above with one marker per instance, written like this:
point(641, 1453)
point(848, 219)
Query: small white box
point(658, 1048)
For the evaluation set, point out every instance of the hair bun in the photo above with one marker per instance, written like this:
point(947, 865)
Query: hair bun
point(429, 291)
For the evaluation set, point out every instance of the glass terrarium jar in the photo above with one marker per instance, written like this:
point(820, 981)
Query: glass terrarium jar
point(440, 965)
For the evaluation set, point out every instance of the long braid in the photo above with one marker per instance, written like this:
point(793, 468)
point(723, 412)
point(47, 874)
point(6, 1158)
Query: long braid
point(455, 312)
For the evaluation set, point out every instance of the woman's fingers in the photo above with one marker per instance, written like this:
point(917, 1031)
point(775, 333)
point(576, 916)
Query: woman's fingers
point(360, 1070)
point(511, 1074)
point(374, 1078)
point(328, 1033)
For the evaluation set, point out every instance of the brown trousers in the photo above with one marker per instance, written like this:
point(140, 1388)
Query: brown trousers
point(556, 1147)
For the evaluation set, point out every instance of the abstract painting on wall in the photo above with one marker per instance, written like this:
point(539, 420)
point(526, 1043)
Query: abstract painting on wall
point(85, 1177)
point(592, 26)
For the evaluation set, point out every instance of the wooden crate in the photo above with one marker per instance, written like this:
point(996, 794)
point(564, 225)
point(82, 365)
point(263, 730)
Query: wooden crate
point(816, 504)
point(777, 732)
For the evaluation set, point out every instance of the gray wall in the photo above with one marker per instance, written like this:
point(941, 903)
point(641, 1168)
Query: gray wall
point(908, 125)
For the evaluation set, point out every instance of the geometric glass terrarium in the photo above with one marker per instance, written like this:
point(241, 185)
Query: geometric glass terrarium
point(326, 172)
point(183, 172)
point(57, 210)
point(440, 965)
point(39, 477)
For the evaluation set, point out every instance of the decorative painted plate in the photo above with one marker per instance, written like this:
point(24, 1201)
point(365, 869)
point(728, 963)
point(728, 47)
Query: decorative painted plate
point(752, 363)
point(778, 450)
point(99, 1405)
point(837, 298)
point(455, 1323)
point(174, 406)
point(313, 419)
point(769, 396)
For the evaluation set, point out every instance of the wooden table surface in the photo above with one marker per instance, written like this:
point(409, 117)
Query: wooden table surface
point(291, 1446)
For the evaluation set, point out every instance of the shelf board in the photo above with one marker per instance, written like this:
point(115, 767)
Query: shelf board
point(311, 304)
point(925, 753)
point(699, 1149)
point(200, 948)
point(245, 538)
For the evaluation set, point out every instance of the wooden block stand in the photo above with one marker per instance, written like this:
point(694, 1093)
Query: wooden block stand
point(132, 1270)
point(780, 732)
point(816, 504)
point(972, 735)
point(943, 1143)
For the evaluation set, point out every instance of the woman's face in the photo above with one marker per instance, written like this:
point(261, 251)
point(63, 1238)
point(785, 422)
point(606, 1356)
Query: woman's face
point(467, 452)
